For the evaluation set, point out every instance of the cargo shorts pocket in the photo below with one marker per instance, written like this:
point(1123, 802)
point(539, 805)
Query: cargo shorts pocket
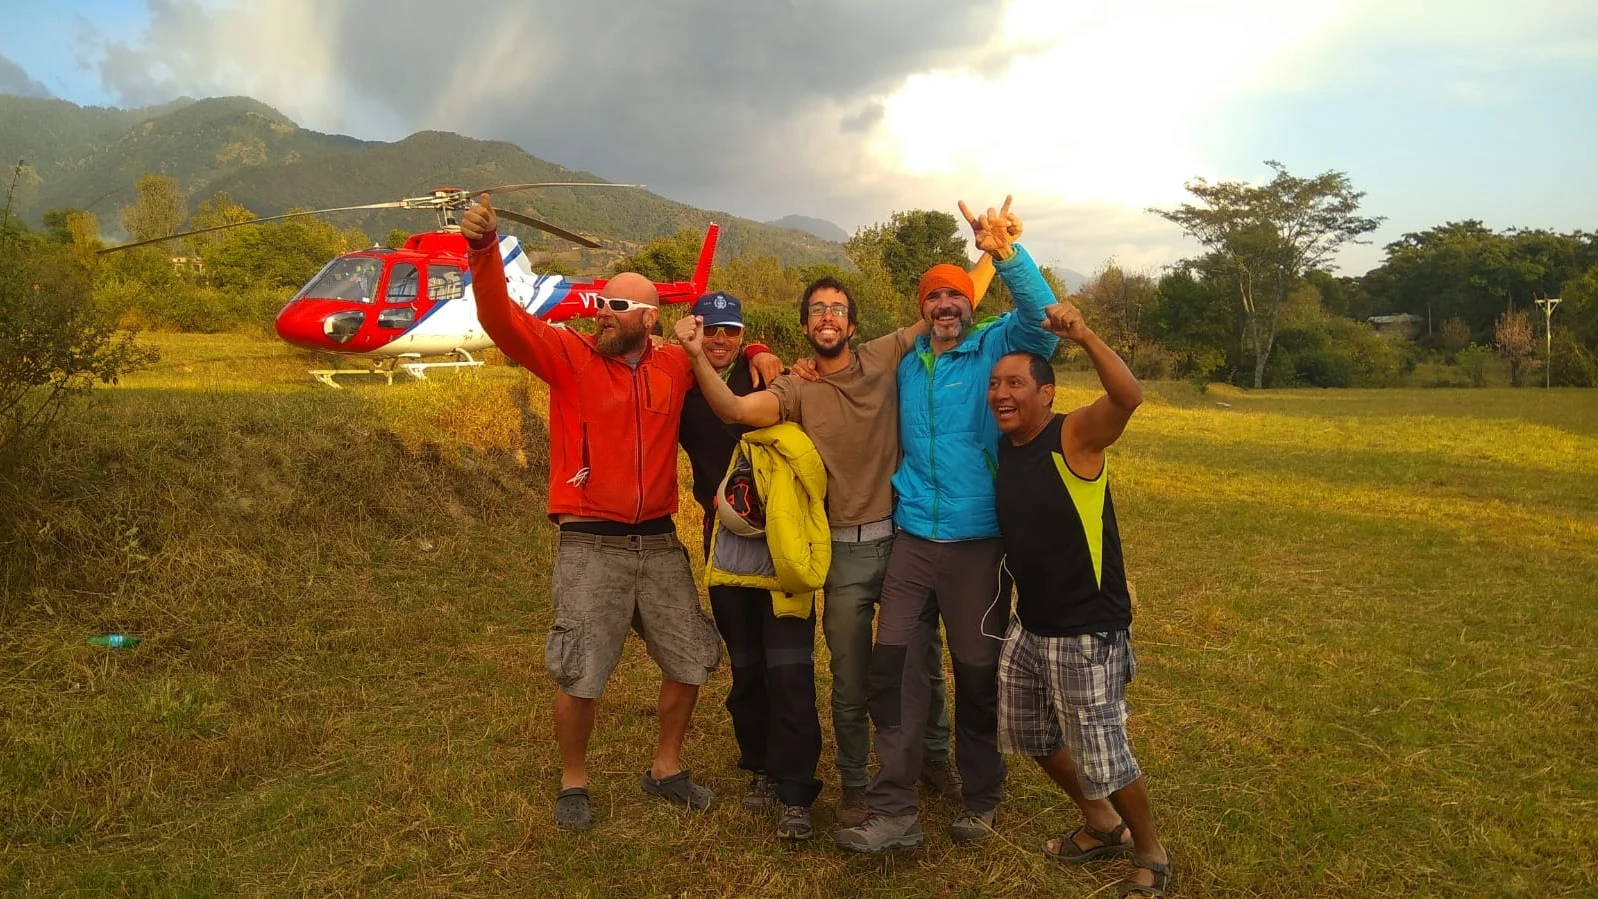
point(563, 651)
point(709, 643)
point(1106, 756)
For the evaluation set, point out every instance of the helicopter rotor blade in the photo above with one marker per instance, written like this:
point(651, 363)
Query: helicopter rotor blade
point(270, 218)
point(511, 188)
point(546, 227)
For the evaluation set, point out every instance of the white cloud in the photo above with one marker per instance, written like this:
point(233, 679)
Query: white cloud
point(1088, 111)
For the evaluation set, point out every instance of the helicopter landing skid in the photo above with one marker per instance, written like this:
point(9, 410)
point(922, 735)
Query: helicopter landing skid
point(417, 370)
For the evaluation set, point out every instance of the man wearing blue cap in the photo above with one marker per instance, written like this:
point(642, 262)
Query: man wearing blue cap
point(773, 697)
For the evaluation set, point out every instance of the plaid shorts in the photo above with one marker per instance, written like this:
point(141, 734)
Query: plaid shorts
point(604, 586)
point(1056, 692)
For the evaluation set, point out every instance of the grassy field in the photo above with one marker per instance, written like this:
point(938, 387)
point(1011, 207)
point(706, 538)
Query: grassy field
point(1366, 626)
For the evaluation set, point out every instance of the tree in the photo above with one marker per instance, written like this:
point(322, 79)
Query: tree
point(1268, 236)
point(1118, 302)
point(396, 238)
point(908, 244)
point(665, 258)
point(278, 254)
point(159, 210)
point(216, 212)
point(1455, 335)
point(54, 343)
point(1466, 270)
point(1513, 339)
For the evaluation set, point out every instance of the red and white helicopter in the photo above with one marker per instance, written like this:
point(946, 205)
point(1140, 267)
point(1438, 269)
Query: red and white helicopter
point(394, 308)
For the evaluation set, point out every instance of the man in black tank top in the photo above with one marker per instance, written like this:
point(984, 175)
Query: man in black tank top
point(1067, 657)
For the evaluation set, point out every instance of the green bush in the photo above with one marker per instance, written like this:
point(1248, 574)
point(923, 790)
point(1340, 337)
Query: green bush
point(54, 341)
point(1337, 352)
point(777, 326)
point(1473, 361)
point(1573, 365)
point(1151, 362)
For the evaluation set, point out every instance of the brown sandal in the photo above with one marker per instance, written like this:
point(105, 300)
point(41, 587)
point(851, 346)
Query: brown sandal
point(1112, 845)
point(1156, 890)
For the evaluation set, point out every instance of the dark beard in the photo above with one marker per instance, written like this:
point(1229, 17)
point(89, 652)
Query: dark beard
point(622, 343)
point(825, 352)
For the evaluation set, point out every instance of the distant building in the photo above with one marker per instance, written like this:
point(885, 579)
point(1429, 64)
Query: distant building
point(1404, 324)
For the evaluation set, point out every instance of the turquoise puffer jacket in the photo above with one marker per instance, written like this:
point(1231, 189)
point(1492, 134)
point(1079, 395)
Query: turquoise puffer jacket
point(951, 443)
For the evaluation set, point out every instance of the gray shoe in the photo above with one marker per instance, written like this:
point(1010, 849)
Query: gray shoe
point(762, 793)
point(571, 810)
point(795, 823)
point(972, 826)
point(680, 789)
point(882, 832)
point(943, 778)
point(852, 810)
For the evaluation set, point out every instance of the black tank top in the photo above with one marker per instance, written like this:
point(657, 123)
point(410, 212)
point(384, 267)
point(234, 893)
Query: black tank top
point(1060, 540)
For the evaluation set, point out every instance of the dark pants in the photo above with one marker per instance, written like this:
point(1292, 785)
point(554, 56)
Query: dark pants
point(958, 581)
point(773, 696)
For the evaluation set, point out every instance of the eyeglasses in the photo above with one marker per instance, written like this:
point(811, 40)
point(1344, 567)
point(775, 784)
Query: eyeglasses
point(837, 310)
point(728, 330)
point(619, 305)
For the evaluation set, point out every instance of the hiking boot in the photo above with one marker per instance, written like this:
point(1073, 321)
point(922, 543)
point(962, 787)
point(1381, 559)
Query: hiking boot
point(795, 823)
point(852, 810)
point(972, 826)
point(762, 793)
point(680, 789)
point(943, 778)
point(882, 832)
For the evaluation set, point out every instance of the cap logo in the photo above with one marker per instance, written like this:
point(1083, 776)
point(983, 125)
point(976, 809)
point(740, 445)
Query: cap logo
point(721, 301)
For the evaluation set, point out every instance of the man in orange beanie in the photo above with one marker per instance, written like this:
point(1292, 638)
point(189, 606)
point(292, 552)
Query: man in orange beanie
point(945, 560)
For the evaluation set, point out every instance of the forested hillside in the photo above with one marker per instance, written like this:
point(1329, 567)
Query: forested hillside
point(90, 158)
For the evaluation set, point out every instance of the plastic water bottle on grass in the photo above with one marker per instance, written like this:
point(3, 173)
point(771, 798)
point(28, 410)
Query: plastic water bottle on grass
point(115, 641)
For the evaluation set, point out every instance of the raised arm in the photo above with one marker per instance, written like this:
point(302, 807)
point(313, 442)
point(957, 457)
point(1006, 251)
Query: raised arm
point(995, 233)
point(1089, 430)
point(531, 341)
point(756, 410)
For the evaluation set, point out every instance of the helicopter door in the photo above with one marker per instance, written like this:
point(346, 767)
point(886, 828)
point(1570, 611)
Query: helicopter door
point(399, 297)
point(448, 282)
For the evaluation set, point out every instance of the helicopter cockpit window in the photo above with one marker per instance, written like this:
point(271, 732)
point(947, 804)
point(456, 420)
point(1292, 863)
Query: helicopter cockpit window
point(353, 279)
point(402, 282)
point(445, 282)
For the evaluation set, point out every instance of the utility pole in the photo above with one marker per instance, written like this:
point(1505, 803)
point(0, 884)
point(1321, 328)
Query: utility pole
point(1548, 303)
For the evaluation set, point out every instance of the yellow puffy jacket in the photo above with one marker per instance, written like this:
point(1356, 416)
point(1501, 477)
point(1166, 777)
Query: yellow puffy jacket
point(792, 559)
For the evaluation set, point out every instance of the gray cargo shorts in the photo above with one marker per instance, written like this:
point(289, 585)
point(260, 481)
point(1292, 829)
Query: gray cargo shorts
point(604, 585)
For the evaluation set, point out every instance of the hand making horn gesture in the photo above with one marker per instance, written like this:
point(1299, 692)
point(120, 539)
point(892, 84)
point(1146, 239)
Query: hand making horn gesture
point(995, 231)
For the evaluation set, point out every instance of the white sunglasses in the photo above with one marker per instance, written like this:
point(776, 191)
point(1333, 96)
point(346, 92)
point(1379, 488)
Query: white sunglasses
point(621, 305)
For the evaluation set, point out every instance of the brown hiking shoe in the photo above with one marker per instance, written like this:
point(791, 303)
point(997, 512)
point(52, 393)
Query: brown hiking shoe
point(943, 778)
point(852, 811)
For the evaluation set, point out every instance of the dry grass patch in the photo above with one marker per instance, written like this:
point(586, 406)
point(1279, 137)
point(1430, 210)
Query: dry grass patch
point(1365, 628)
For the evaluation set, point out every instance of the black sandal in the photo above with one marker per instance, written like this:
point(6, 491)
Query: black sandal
point(571, 809)
point(1111, 845)
point(1156, 890)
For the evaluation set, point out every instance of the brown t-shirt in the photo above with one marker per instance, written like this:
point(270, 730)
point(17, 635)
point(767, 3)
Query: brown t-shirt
point(852, 416)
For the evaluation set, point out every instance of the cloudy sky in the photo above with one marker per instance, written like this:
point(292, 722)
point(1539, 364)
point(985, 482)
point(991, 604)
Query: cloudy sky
point(1088, 111)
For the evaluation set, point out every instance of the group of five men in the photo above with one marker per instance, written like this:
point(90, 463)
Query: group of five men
point(947, 474)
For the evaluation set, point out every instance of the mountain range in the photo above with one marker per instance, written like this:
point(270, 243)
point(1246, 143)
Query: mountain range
point(91, 157)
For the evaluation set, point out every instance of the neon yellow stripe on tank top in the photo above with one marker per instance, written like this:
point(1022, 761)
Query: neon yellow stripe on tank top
point(1088, 496)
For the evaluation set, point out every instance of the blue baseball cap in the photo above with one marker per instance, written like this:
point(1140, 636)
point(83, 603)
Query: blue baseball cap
point(719, 308)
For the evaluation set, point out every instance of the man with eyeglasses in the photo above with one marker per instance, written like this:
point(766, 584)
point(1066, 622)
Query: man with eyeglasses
point(851, 414)
point(947, 559)
point(615, 406)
